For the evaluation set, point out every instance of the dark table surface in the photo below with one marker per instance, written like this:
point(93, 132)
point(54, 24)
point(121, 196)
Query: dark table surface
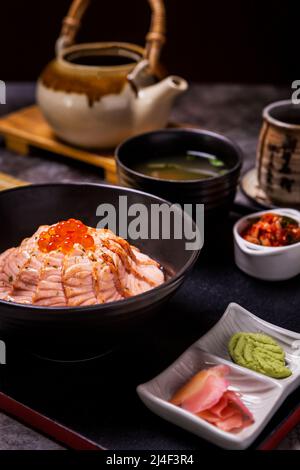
point(233, 110)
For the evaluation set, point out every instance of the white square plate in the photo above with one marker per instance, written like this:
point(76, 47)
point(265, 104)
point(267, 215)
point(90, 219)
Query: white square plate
point(262, 395)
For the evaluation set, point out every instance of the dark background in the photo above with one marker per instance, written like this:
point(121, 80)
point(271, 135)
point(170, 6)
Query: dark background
point(208, 40)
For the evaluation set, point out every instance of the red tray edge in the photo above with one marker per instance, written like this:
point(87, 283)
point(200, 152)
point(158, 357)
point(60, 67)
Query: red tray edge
point(75, 441)
point(46, 426)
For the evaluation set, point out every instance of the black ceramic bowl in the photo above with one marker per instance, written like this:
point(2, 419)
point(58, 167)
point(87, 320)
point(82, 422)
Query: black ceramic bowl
point(76, 332)
point(216, 193)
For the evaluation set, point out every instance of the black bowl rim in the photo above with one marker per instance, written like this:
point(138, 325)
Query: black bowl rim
point(111, 306)
point(193, 187)
point(185, 130)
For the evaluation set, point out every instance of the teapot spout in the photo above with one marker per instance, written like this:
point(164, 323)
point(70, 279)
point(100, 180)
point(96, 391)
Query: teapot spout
point(154, 102)
point(164, 92)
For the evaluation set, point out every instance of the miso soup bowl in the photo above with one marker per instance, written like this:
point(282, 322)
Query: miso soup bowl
point(263, 262)
point(217, 193)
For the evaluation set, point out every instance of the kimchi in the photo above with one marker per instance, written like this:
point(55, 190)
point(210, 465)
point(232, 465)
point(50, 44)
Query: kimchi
point(272, 230)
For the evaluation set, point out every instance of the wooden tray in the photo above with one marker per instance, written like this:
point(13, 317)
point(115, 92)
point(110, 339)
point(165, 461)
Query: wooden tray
point(27, 128)
point(8, 182)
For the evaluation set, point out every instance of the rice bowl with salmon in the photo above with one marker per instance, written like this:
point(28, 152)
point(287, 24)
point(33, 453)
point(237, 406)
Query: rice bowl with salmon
point(70, 293)
point(69, 264)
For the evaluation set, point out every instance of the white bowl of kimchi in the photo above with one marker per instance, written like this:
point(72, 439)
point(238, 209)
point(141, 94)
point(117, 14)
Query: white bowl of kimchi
point(267, 244)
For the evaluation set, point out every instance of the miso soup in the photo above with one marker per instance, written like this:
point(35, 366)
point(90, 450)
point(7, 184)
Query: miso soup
point(191, 165)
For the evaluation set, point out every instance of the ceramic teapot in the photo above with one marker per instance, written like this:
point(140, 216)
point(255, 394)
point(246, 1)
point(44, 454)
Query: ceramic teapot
point(96, 95)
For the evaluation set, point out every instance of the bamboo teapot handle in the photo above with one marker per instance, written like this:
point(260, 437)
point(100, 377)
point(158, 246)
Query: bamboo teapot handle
point(155, 39)
point(71, 24)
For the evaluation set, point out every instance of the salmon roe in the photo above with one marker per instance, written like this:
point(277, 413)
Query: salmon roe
point(64, 235)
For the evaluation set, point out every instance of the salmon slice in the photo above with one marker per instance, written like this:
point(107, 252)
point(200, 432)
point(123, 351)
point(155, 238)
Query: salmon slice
point(5, 285)
point(108, 286)
point(126, 268)
point(143, 259)
point(17, 261)
point(25, 285)
point(13, 264)
point(113, 270)
point(118, 269)
point(50, 290)
point(78, 279)
point(134, 279)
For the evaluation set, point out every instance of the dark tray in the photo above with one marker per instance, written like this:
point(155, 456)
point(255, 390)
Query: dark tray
point(97, 398)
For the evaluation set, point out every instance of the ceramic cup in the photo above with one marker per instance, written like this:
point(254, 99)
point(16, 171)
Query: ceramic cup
point(278, 154)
